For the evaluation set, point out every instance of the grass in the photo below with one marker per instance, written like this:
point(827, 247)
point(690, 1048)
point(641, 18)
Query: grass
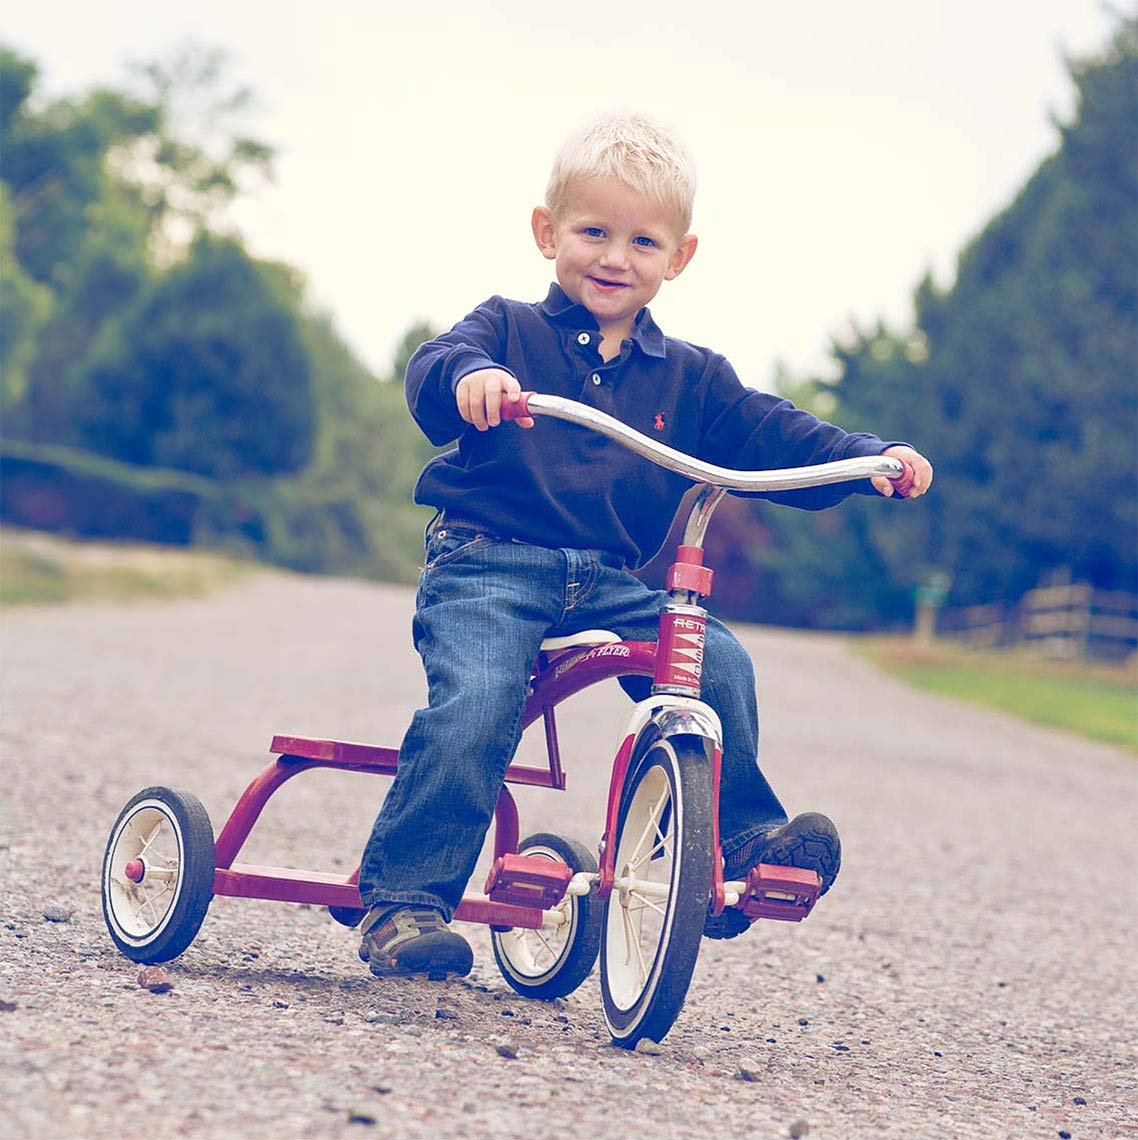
point(1096, 701)
point(37, 569)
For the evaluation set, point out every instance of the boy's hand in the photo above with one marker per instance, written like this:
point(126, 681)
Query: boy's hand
point(480, 395)
point(922, 474)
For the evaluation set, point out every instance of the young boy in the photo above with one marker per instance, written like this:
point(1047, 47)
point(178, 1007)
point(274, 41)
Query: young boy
point(538, 530)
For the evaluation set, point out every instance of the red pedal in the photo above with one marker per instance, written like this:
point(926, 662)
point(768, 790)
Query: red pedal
point(784, 893)
point(528, 880)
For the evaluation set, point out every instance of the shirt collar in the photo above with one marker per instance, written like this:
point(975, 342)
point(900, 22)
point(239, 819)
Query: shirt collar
point(559, 307)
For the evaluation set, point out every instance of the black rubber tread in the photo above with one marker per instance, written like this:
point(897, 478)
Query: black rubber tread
point(809, 841)
point(652, 1014)
point(580, 955)
point(194, 891)
point(435, 953)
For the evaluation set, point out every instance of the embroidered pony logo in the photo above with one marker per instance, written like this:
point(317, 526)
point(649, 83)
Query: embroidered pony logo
point(659, 424)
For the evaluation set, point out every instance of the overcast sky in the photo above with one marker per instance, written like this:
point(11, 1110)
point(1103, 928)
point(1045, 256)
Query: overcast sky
point(843, 149)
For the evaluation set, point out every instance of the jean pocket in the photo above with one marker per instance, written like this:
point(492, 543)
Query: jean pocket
point(448, 544)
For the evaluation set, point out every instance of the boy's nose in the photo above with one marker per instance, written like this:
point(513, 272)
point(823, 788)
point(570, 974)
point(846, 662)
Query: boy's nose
point(615, 254)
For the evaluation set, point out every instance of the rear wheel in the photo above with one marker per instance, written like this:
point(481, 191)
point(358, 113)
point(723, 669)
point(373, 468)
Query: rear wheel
point(554, 960)
point(654, 916)
point(158, 874)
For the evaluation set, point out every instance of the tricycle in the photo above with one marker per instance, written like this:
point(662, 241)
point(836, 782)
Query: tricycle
point(638, 899)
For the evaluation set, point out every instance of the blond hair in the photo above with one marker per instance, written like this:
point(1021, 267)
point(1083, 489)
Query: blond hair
point(633, 149)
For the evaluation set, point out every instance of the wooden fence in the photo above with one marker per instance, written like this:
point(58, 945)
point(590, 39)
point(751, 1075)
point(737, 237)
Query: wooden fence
point(1060, 621)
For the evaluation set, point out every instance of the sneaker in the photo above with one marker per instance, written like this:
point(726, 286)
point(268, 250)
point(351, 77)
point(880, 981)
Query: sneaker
point(400, 939)
point(809, 841)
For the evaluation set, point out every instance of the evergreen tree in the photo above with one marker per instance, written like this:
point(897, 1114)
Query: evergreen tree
point(208, 373)
point(1020, 379)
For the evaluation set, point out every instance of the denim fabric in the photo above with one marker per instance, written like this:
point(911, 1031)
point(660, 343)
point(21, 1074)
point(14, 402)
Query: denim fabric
point(483, 607)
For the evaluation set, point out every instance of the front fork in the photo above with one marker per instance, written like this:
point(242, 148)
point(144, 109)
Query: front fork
point(675, 708)
point(660, 718)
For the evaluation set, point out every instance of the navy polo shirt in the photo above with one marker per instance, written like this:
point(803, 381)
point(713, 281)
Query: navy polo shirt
point(560, 485)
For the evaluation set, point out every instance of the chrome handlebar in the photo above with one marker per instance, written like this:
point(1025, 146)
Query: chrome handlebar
point(787, 479)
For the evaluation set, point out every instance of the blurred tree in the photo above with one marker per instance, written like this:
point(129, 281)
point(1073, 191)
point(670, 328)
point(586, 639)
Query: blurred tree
point(1020, 380)
point(24, 305)
point(55, 165)
point(350, 509)
point(208, 372)
point(101, 189)
point(199, 156)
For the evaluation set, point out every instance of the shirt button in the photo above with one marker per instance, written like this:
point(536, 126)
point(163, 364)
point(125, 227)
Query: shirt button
point(596, 378)
point(582, 338)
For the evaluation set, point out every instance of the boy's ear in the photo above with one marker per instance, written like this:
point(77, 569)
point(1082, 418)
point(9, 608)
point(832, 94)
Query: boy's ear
point(543, 232)
point(685, 251)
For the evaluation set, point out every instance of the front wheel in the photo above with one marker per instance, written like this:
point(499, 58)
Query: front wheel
point(654, 916)
point(554, 960)
point(158, 874)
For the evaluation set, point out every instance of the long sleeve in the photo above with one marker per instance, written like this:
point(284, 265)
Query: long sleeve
point(433, 373)
point(752, 430)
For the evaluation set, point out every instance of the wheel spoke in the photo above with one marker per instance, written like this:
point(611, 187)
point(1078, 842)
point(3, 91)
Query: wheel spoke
point(660, 848)
point(542, 939)
point(651, 824)
point(640, 958)
point(149, 839)
point(643, 902)
point(630, 936)
point(146, 903)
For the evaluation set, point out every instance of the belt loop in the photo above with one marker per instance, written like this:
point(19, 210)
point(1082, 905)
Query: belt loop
point(429, 529)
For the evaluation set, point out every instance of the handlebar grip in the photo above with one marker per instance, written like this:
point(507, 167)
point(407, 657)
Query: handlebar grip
point(903, 485)
point(516, 409)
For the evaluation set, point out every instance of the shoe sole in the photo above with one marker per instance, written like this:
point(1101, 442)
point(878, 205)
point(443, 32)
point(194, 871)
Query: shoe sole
point(808, 841)
point(435, 955)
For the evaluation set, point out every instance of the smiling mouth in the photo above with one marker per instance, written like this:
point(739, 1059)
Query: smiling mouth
point(603, 283)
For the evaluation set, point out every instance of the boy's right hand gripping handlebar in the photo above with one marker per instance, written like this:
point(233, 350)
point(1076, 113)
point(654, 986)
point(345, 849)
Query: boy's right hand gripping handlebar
point(788, 479)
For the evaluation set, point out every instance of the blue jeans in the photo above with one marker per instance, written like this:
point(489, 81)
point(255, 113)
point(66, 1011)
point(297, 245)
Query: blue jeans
point(483, 607)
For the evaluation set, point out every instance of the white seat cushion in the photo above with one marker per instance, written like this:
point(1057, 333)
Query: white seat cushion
point(585, 637)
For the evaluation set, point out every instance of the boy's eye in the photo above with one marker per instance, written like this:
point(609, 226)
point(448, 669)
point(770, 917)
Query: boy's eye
point(593, 231)
point(647, 242)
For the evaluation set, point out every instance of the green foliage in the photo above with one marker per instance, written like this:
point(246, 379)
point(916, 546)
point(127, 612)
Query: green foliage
point(350, 510)
point(51, 487)
point(132, 329)
point(1096, 702)
point(55, 166)
point(199, 156)
point(207, 373)
point(24, 306)
point(37, 569)
point(220, 409)
point(1019, 381)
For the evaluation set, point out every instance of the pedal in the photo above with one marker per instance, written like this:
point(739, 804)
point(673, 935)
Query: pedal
point(528, 880)
point(784, 893)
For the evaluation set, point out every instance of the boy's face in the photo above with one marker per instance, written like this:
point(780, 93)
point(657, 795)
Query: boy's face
point(613, 247)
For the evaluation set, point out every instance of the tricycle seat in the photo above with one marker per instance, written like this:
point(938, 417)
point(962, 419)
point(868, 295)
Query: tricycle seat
point(585, 637)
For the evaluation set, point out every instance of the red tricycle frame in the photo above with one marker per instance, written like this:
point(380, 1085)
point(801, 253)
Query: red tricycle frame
point(659, 852)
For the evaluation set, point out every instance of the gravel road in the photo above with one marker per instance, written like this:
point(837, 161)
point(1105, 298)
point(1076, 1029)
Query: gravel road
point(971, 974)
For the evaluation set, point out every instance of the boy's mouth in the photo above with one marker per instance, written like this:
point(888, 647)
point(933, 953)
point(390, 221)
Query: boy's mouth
point(607, 286)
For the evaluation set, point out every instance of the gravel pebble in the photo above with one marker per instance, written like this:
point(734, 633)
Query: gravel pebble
point(155, 979)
